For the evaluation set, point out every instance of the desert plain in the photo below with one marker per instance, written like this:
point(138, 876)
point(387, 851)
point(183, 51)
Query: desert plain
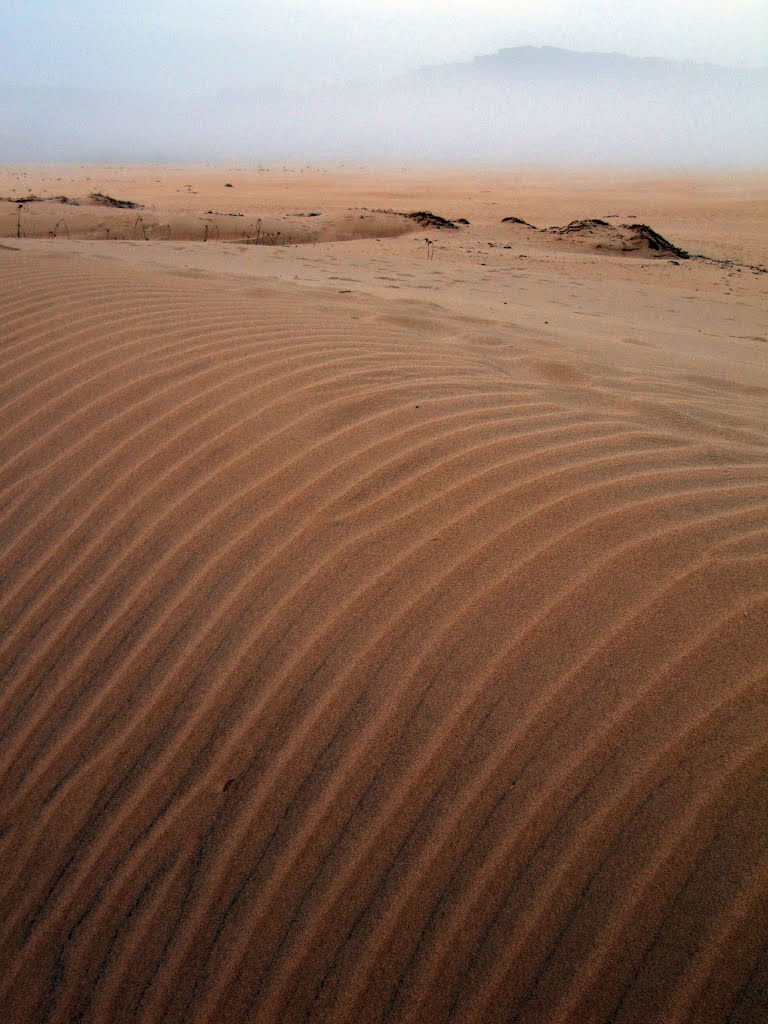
point(384, 630)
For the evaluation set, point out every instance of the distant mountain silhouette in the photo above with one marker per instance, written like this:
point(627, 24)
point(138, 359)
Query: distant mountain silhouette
point(550, 104)
point(525, 61)
point(520, 105)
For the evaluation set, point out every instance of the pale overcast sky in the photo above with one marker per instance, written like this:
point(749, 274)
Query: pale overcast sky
point(180, 46)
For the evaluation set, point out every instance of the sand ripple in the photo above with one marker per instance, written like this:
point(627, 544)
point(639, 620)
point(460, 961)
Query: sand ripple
point(354, 672)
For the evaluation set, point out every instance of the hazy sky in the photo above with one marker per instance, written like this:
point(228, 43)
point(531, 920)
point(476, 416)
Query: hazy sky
point(184, 46)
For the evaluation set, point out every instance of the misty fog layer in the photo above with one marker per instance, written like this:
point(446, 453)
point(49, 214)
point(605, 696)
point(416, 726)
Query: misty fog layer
point(518, 106)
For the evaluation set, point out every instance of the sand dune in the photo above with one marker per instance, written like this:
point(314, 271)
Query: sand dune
point(369, 660)
point(86, 217)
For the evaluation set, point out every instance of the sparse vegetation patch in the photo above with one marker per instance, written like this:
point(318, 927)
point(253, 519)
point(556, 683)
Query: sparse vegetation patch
point(655, 241)
point(430, 220)
point(119, 204)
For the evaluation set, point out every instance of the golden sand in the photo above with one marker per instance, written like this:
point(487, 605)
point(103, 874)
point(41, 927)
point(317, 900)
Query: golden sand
point(383, 636)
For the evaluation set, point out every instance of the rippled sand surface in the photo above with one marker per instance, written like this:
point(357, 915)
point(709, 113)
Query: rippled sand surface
point(384, 623)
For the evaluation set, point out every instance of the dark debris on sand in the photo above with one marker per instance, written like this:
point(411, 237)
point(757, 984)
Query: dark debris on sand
point(119, 204)
point(23, 200)
point(430, 220)
point(517, 220)
point(642, 234)
point(579, 226)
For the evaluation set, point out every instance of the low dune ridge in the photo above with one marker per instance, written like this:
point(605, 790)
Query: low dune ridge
point(101, 217)
point(374, 657)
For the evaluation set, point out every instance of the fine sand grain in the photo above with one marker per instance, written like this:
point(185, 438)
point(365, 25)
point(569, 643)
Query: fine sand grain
point(384, 624)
